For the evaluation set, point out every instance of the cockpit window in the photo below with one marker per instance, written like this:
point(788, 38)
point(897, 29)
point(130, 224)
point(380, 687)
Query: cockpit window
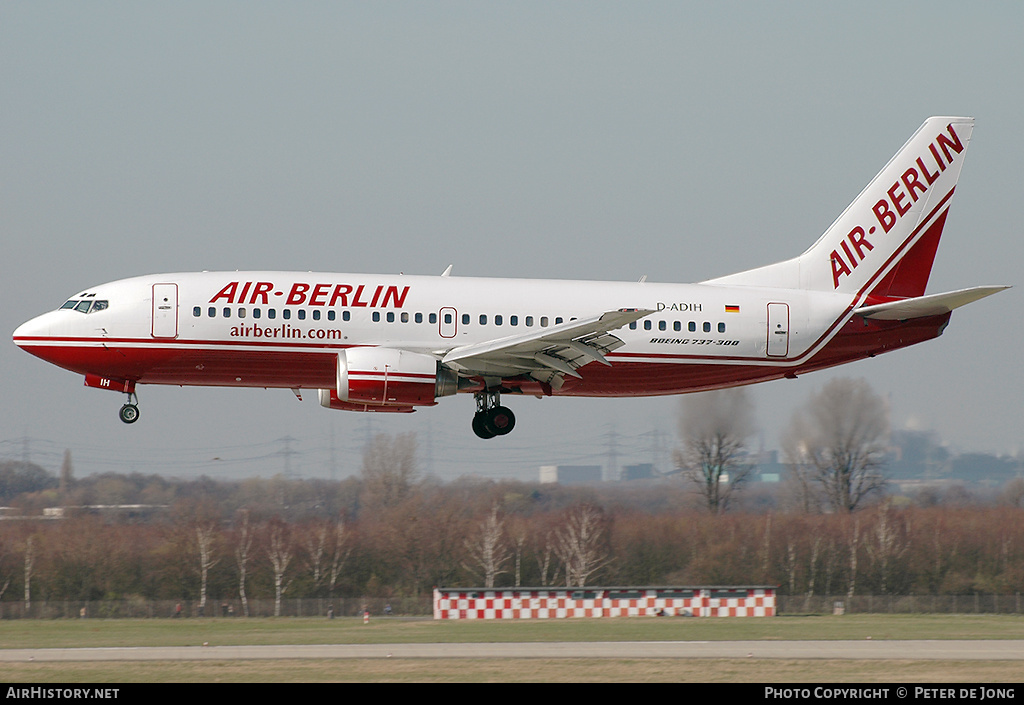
point(86, 306)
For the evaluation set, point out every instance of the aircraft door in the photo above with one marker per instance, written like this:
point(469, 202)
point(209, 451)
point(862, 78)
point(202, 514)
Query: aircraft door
point(778, 330)
point(447, 322)
point(165, 310)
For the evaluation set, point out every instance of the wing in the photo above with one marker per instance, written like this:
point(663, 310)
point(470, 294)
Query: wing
point(921, 306)
point(546, 354)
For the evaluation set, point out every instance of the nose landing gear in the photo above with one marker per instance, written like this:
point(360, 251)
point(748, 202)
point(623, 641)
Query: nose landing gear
point(129, 413)
point(492, 419)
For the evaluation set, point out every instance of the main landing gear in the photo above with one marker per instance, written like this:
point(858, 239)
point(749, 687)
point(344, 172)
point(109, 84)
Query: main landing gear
point(492, 419)
point(129, 413)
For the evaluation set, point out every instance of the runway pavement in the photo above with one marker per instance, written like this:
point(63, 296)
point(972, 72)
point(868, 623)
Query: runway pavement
point(960, 650)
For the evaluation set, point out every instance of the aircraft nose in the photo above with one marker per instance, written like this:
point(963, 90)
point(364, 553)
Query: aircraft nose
point(31, 331)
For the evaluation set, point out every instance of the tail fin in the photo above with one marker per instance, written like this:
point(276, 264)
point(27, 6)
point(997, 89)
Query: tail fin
point(884, 243)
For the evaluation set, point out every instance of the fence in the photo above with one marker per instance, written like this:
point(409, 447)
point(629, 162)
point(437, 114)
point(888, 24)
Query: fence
point(146, 609)
point(902, 604)
point(423, 606)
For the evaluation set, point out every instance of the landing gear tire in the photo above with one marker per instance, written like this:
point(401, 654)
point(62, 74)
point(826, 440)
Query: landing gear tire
point(494, 422)
point(501, 420)
point(129, 413)
point(480, 427)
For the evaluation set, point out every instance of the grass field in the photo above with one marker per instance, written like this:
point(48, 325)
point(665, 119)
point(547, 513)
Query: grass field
point(106, 633)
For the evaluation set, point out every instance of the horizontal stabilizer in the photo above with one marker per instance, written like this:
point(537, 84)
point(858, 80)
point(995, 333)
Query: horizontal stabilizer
point(921, 306)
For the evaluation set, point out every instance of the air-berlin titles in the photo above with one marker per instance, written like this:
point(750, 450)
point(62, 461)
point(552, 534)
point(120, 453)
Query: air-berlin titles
point(302, 294)
point(900, 197)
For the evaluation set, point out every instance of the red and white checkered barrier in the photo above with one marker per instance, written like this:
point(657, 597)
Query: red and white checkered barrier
point(547, 603)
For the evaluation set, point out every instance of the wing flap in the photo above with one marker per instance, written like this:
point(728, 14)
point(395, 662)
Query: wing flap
point(548, 353)
point(922, 306)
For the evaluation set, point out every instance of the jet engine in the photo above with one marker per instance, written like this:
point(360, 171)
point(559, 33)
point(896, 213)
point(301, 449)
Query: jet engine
point(387, 379)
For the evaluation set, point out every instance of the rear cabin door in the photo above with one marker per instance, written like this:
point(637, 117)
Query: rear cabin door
point(165, 310)
point(778, 330)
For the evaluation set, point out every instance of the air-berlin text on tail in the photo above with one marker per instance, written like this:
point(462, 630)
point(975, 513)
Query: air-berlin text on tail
point(303, 294)
point(899, 199)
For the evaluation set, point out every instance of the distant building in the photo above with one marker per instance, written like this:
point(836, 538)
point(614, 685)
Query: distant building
point(640, 471)
point(570, 474)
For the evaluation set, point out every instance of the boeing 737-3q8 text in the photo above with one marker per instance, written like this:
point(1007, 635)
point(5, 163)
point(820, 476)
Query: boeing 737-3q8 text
point(395, 343)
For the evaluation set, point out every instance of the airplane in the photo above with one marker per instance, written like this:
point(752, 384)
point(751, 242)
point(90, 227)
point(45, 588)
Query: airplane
point(379, 343)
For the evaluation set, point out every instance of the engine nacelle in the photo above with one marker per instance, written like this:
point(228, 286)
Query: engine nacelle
point(390, 377)
point(329, 399)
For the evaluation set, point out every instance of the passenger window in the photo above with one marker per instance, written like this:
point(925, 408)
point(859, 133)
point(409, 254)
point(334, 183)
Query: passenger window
point(558, 320)
point(197, 312)
point(331, 315)
point(316, 315)
point(513, 320)
point(226, 312)
point(286, 314)
point(707, 327)
point(418, 318)
point(376, 316)
point(447, 318)
point(632, 326)
point(483, 319)
point(405, 317)
point(465, 319)
point(529, 320)
point(662, 325)
point(256, 313)
point(647, 325)
point(432, 318)
point(497, 319)
point(391, 316)
point(241, 313)
point(271, 313)
point(212, 312)
point(677, 326)
point(346, 315)
point(302, 314)
point(721, 327)
point(691, 326)
point(543, 321)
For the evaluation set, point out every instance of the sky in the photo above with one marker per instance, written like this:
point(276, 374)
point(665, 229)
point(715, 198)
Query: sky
point(569, 140)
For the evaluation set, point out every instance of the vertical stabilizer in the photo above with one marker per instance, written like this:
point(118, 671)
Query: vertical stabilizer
point(885, 241)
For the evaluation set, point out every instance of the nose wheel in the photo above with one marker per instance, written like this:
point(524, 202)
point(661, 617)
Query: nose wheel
point(129, 413)
point(491, 418)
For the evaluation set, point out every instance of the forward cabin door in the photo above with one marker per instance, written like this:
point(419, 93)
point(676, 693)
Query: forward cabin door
point(165, 310)
point(778, 330)
point(448, 323)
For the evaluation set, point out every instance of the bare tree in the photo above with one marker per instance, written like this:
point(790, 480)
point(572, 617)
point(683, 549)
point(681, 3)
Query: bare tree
point(885, 546)
point(487, 550)
point(30, 561)
point(279, 551)
point(205, 534)
point(714, 428)
point(389, 469)
point(854, 548)
point(839, 442)
point(580, 544)
point(339, 555)
point(545, 553)
point(314, 542)
point(243, 553)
